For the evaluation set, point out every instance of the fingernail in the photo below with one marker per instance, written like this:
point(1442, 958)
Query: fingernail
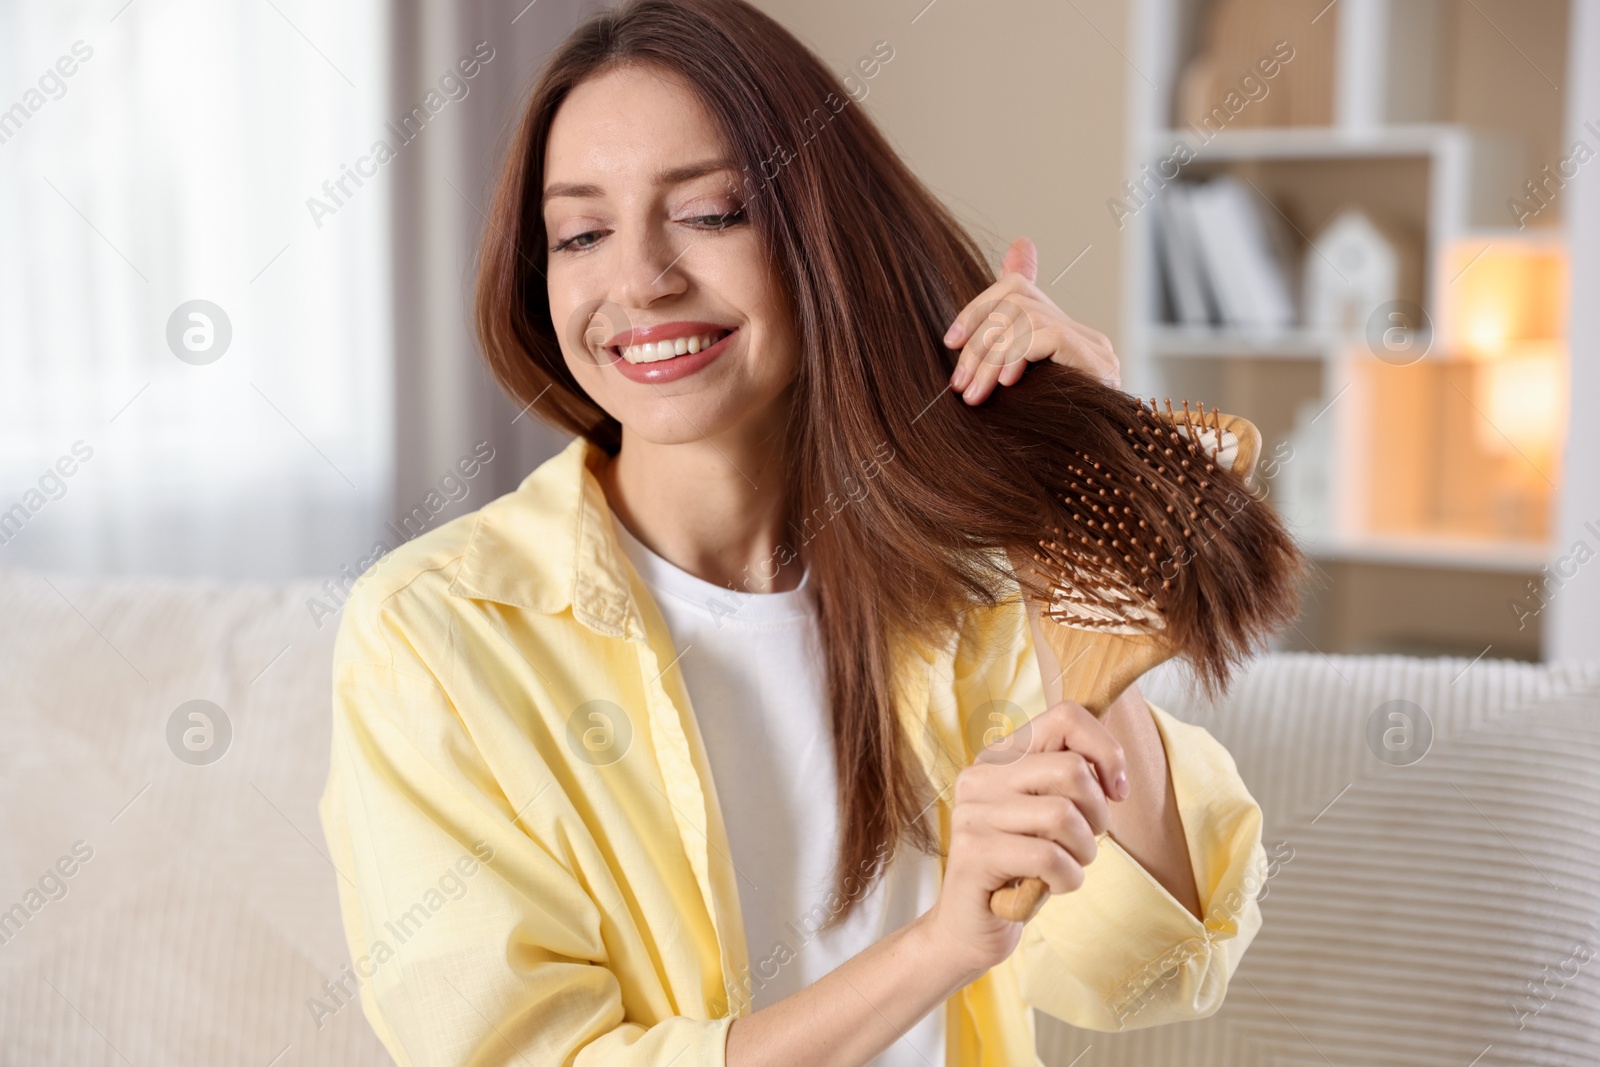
point(951, 333)
point(1121, 786)
point(958, 380)
point(970, 393)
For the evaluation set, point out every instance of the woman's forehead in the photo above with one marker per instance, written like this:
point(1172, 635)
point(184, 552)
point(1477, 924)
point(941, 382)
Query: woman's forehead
point(631, 119)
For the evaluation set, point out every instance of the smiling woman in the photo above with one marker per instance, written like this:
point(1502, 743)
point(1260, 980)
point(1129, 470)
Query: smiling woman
point(717, 683)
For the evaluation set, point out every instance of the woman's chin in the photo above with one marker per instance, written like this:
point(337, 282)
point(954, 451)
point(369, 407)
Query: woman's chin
point(664, 418)
point(680, 420)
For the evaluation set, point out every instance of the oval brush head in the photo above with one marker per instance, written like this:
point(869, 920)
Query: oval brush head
point(1165, 535)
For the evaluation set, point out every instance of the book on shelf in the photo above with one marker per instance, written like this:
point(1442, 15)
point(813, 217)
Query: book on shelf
point(1188, 290)
point(1225, 257)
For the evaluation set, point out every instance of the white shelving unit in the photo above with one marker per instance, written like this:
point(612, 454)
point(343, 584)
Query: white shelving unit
point(1452, 179)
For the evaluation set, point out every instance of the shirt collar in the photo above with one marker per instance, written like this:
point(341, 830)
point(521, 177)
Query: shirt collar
point(550, 545)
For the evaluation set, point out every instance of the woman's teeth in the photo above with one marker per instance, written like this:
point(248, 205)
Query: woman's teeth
point(679, 346)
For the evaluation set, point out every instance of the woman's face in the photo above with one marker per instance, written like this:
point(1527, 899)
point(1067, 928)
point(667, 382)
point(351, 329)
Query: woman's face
point(667, 308)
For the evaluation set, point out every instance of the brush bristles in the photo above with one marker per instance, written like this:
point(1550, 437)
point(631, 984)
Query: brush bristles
point(1092, 599)
point(1102, 510)
point(1156, 536)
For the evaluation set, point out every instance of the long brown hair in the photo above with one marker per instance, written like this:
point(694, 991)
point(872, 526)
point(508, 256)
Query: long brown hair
point(876, 269)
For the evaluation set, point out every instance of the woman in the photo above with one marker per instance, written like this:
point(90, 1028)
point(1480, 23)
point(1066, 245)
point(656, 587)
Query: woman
point(709, 726)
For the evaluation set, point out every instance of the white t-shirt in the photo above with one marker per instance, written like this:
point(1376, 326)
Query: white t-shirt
point(752, 663)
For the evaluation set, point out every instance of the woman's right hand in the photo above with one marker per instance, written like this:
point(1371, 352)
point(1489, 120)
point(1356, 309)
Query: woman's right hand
point(1030, 805)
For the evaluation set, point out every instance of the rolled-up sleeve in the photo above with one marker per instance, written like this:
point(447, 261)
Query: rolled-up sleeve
point(471, 942)
point(1121, 952)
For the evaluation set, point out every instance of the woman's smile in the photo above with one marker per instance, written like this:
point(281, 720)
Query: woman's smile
point(668, 352)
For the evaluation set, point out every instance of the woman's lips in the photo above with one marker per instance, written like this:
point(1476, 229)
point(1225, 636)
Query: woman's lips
point(670, 370)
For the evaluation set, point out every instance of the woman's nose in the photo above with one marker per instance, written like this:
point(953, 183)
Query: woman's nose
point(649, 268)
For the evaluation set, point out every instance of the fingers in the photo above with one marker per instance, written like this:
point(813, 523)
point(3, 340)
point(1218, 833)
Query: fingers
point(1021, 261)
point(1070, 344)
point(1091, 350)
point(999, 856)
point(1032, 805)
point(996, 305)
point(1013, 323)
point(998, 340)
point(1053, 818)
point(1013, 856)
point(1066, 751)
point(1070, 725)
point(1066, 726)
point(1063, 755)
point(1065, 776)
point(1021, 258)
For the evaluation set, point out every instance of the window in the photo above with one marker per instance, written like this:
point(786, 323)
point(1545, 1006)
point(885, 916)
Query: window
point(157, 154)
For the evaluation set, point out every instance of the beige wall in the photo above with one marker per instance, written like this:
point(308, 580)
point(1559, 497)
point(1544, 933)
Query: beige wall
point(1495, 84)
point(1011, 111)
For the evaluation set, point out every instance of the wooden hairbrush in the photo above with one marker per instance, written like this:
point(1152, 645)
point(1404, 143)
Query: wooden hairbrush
point(1154, 558)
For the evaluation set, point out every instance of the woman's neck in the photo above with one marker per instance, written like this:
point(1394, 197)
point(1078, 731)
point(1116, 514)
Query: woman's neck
point(715, 508)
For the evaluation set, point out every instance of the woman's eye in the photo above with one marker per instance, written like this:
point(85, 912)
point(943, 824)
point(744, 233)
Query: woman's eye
point(578, 241)
point(719, 222)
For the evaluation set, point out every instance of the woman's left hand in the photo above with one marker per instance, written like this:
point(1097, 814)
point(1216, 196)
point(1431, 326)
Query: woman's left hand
point(1012, 323)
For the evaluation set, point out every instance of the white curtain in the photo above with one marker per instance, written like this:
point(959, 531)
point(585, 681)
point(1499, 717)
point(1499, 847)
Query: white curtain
point(445, 400)
point(174, 163)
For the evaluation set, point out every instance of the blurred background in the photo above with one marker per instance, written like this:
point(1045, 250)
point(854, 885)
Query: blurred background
point(1357, 223)
point(237, 246)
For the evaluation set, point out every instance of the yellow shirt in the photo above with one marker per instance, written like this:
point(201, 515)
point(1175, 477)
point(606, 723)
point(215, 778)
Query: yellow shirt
point(531, 858)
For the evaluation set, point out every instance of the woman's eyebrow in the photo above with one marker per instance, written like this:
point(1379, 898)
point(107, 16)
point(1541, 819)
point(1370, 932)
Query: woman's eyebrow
point(690, 171)
point(670, 176)
point(581, 190)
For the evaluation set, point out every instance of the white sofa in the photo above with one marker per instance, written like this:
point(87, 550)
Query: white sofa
point(1412, 910)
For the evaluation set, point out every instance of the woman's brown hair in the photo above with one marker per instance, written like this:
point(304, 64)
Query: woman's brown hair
point(876, 269)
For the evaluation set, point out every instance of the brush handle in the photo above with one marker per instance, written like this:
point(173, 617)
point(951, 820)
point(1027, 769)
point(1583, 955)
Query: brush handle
point(1098, 668)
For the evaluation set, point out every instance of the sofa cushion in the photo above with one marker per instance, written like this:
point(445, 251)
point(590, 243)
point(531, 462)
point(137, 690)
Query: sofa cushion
point(1430, 905)
point(205, 918)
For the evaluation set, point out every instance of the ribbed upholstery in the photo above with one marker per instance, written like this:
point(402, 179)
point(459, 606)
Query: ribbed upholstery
point(1415, 909)
point(1422, 899)
point(208, 915)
